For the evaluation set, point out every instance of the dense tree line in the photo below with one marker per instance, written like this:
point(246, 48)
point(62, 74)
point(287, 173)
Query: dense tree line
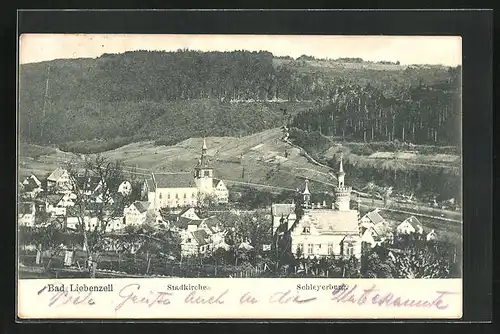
point(421, 114)
point(176, 95)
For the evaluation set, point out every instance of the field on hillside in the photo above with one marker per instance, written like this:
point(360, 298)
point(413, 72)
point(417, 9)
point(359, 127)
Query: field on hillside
point(258, 158)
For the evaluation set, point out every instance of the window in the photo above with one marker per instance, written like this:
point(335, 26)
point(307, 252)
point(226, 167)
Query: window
point(310, 249)
point(185, 195)
point(206, 173)
point(177, 196)
point(319, 246)
point(159, 196)
point(188, 240)
point(330, 248)
point(306, 229)
point(168, 195)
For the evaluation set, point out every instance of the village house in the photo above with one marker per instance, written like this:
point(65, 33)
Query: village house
point(54, 205)
point(188, 213)
point(324, 231)
point(431, 236)
point(125, 188)
point(374, 229)
point(196, 242)
point(59, 181)
point(26, 214)
point(176, 190)
point(409, 226)
point(31, 186)
point(200, 235)
point(136, 213)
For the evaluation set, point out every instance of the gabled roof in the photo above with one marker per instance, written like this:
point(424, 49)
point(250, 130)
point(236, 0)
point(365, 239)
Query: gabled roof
point(141, 206)
point(54, 198)
point(374, 217)
point(174, 180)
point(413, 222)
point(212, 223)
point(185, 210)
point(282, 209)
point(183, 222)
point(215, 182)
point(55, 175)
point(201, 236)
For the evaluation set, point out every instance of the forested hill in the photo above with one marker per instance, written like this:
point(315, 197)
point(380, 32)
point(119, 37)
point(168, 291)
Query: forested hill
point(171, 96)
point(421, 114)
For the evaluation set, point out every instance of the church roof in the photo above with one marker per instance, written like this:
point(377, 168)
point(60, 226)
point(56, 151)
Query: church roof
point(174, 180)
point(328, 221)
point(282, 209)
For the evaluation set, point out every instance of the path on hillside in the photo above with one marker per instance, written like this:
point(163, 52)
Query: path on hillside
point(308, 157)
point(257, 185)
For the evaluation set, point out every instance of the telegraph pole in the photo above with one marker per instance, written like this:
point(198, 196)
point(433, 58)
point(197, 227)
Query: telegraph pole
point(45, 100)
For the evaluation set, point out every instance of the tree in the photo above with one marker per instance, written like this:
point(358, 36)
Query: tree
point(205, 203)
point(95, 211)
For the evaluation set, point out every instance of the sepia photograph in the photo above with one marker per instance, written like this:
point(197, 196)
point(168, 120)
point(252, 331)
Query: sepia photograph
point(239, 156)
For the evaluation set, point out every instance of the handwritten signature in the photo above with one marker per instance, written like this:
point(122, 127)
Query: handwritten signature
point(60, 298)
point(388, 299)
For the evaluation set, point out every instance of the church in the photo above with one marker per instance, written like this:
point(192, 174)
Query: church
point(323, 230)
point(176, 190)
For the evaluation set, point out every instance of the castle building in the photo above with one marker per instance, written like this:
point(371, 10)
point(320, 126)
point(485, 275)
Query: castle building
point(175, 190)
point(325, 230)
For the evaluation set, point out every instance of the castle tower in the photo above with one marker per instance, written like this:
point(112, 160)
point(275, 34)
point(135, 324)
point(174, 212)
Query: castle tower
point(203, 172)
point(343, 193)
point(306, 195)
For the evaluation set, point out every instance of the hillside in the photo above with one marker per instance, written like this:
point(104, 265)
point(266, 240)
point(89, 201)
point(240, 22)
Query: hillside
point(90, 105)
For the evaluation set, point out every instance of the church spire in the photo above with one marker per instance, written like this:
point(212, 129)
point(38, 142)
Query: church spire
point(204, 147)
point(341, 167)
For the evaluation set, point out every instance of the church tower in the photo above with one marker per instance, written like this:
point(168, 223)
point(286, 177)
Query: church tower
point(203, 172)
point(343, 193)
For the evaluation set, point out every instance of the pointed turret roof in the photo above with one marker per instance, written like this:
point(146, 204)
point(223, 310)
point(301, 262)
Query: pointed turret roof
point(341, 167)
point(306, 189)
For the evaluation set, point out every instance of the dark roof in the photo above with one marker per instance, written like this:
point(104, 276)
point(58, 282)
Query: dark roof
point(142, 206)
point(183, 222)
point(215, 182)
point(30, 184)
point(212, 223)
point(54, 198)
point(174, 180)
point(24, 208)
point(374, 217)
point(201, 237)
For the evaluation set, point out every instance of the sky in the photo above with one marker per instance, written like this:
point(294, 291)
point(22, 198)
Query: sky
point(442, 50)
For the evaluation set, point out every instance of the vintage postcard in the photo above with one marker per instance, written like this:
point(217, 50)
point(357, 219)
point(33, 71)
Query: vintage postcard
point(239, 176)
